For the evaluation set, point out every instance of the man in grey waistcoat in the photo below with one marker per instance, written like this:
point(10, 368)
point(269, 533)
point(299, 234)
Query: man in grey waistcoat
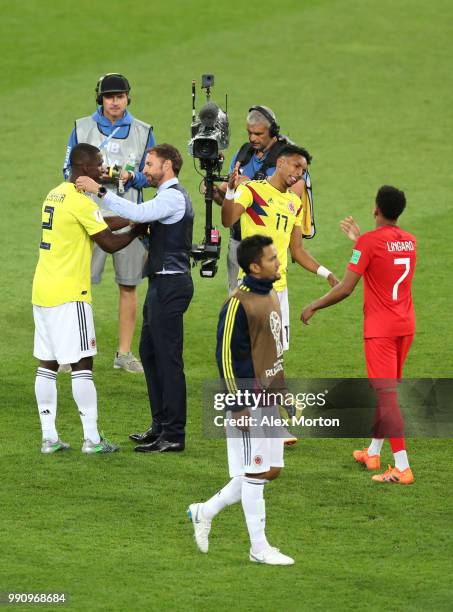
point(170, 216)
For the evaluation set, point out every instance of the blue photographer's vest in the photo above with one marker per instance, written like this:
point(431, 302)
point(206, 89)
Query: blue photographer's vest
point(170, 244)
point(88, 131)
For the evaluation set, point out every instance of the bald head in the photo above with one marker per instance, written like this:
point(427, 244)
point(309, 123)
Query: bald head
point(85, 160)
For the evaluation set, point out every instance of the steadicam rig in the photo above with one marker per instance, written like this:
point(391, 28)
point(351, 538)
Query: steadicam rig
point(210, 135)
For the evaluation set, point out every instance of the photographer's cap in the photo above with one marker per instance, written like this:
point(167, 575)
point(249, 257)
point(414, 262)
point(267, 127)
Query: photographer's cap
point(113, 83)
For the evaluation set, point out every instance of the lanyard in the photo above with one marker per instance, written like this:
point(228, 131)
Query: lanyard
point(105, 142)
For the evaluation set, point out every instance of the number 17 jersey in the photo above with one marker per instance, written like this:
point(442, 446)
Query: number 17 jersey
point(386, 258)
point(270, 212)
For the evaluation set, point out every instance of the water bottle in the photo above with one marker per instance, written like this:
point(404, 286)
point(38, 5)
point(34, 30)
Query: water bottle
point(129, 166)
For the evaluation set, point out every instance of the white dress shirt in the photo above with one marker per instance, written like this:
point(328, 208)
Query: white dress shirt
point(168, 205)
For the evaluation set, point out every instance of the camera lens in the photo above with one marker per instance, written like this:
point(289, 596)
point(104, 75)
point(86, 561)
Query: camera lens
point(205, 148)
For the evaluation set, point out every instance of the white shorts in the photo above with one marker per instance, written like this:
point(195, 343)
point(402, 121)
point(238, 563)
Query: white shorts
point(284, 307)
point(254, 451)
point(64, 333)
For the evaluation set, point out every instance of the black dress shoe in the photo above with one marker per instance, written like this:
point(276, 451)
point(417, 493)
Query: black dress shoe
point(160, 446)
point(145, 438)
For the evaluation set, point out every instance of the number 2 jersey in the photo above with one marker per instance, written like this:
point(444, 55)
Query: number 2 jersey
point(386, 257)
point(62, 274)
point(270, 212)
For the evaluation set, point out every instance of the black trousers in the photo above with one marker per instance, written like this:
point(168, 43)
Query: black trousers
point(161, 346)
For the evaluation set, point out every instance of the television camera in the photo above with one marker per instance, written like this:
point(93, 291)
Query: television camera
point(210, 136)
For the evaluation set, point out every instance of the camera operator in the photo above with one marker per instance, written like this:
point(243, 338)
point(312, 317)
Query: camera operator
point(123, 141)
point(170, 291)
point(274, 210)
point(258, 158)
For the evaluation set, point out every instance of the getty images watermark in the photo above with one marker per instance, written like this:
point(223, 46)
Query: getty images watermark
point(328, 407)
point(247, 408)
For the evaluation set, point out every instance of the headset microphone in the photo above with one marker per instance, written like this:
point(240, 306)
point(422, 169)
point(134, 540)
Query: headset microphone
point(113, 82)
point(274, 129)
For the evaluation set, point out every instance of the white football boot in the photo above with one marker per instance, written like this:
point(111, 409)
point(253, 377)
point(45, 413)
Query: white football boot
point(271, 556)
point(101, 447)
point(201, 527)
point(48, 447)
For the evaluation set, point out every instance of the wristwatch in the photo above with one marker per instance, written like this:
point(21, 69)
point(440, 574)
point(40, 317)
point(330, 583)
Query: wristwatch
point(101, 192)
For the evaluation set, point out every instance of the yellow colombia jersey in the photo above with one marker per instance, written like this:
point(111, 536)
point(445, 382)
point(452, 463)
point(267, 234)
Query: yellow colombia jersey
point(272, 213)
point(62, 275)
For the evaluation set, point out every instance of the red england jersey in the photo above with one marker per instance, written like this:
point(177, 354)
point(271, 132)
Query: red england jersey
point(386, 259)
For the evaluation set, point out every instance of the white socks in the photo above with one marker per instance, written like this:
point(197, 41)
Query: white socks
point(46, 398)
point(254, 508)
point(230, 494)
point(250, 491)
point(84, 394)
point(401, 460)
point(375, 446)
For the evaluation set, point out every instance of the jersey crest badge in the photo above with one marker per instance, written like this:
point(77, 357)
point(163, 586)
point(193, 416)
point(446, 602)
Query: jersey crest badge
point(355, 256)
point(98, 216)
point(276, 329)
point(291, 208)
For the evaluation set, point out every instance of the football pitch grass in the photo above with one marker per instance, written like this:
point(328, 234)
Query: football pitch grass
point(366, 87)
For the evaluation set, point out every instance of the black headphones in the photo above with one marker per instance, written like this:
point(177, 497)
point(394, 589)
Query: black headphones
point(99, 92)
point(274, 129)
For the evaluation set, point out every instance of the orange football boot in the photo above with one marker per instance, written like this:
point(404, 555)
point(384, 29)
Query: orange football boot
point(371, 462)
point(395, 476)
